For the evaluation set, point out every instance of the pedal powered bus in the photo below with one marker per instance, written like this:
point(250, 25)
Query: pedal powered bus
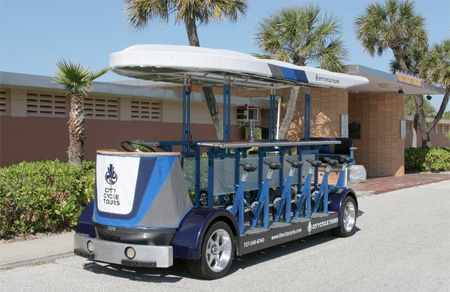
point(153, 204)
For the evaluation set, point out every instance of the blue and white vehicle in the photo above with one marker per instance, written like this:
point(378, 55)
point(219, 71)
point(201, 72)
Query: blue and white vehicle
point(143, 214)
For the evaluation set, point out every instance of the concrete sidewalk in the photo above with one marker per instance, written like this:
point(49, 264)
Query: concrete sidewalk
point(49, 248)
point(35, 251)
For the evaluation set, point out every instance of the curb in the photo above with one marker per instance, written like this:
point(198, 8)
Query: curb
point(35, 261)
point(364, 194)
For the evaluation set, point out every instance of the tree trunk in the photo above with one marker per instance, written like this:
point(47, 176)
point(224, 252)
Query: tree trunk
point(191, 29)
point(212, 107)
point(398, 55)
point(76, 130)
point(289, 112)
point(441, 110)
point(414, 130)
point(424, 131)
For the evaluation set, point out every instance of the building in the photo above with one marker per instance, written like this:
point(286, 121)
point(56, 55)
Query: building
point(34, 114)
point(439, 136)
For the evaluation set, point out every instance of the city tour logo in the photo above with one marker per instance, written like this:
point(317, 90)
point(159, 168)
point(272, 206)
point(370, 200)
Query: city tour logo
point(111, 176)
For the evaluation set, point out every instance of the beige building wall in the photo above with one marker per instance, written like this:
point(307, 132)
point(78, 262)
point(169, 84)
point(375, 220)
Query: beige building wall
point(327, 106)
point(380, 148)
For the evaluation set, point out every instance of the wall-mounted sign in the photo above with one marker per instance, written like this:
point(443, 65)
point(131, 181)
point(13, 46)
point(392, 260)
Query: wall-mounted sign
point(407, 78)
point(344, 126)
point(402, 129)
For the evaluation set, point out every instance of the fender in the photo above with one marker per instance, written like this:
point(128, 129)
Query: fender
point(336, 198)
point(188, 239)
point(85, 223)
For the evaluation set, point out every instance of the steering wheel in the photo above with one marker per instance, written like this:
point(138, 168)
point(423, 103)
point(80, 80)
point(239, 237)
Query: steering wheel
point(128, 146)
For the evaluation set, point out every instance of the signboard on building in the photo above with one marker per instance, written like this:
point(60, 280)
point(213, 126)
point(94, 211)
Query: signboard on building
point(344, 126)
point(402, 129)
point(409, 79)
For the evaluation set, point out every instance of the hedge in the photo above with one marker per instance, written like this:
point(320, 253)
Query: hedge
point(43, 196)
point(433, 160)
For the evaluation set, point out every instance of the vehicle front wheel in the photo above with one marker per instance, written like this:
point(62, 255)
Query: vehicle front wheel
point(347, 218)
point(216, 254)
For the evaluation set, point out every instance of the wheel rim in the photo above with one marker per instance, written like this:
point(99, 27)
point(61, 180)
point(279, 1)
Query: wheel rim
point(218, 250)
point(349, 217)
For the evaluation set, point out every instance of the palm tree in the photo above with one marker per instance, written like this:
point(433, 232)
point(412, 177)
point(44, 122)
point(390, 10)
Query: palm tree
point(394, 25)
point(76, 81)
point(189, 12)
point(397, 26)
point(299, 35)
point(435, 68)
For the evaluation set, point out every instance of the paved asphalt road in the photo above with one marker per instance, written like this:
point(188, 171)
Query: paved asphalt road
point(403, 244)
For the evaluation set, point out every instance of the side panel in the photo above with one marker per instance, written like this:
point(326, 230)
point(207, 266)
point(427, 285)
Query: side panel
point(85, 224)
point(279, 232)
point(188, 239)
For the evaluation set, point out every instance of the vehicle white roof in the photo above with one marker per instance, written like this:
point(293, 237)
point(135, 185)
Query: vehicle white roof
point(205, 66)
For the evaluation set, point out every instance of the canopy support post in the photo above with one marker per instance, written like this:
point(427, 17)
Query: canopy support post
point(272, 114)
point(307, 113)
point(226, 110)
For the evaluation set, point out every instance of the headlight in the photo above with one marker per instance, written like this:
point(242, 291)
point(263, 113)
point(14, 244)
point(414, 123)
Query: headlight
point(130, 253)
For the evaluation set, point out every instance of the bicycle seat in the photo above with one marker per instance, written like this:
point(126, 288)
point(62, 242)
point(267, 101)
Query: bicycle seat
point(330, 161)
point(346, 159)
point(295, 164)
point(248, 166)
point(314, 163)
point(273, 165)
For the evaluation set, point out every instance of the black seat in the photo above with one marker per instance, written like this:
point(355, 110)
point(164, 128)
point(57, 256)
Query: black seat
point(248, 166)
point(295, 164)
point(330, 161)
point(346, 159)
point(314, 163)
point(273, 165)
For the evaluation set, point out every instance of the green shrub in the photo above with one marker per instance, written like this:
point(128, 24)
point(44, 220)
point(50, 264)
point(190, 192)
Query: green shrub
point(434, 160)
point(414, 159)
point(437, 159)
point(43, 196)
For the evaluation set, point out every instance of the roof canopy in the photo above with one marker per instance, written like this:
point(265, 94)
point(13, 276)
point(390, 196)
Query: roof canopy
point(171, 63)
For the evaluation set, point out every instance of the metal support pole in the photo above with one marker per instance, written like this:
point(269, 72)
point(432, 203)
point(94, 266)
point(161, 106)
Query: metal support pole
point(210, 177)
point(272, 114)
point(307, 114)
point(183, 136)
point(229, 111)
point(224, 119)
point(188, 130)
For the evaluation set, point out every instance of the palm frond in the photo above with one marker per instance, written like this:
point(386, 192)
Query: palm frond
point(74, 78)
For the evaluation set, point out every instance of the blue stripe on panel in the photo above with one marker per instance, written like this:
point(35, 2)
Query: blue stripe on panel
point(153, 171)
point(294, 75)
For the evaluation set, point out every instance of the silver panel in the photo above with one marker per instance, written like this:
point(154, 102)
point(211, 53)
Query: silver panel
point(114, 252)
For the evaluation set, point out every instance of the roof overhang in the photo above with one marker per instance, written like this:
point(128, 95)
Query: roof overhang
point(380, 81)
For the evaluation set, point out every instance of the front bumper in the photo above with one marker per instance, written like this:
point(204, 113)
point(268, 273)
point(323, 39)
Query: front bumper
point(114, 252)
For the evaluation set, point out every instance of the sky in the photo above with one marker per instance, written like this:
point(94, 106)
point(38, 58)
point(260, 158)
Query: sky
point(35, 34)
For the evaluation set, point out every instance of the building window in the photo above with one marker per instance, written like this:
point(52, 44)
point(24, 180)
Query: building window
point(409, 126)
point(4, 103)
point(146, 110)
point(245, 113)
point(50, 105)
point(101, 108)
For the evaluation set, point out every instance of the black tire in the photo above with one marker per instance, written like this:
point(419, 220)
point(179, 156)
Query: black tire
point(217, 253)
point(347, 218)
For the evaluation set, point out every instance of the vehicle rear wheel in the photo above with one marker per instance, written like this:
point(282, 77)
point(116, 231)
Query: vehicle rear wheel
point(347, 218)
point(216, 254)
